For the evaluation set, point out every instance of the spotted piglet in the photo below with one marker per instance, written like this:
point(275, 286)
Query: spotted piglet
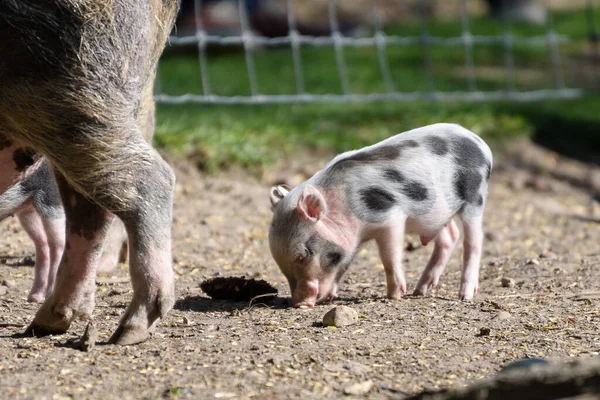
point(414, 182)
point(28, 190)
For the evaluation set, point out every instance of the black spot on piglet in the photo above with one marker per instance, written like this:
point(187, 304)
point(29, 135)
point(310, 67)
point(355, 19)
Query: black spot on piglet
point(41, 186)
point(381, 153)
point(377, 199)
point(466, 185)
point(23, 158)
point(415, 191)
point(467, 153)
point(393, 175)
point(408, 144)
point(437, 145)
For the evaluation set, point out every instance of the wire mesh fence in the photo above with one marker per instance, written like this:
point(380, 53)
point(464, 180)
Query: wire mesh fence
point(381, 42)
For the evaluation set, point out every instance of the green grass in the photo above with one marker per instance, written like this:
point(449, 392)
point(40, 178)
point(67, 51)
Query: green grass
point(255, 136)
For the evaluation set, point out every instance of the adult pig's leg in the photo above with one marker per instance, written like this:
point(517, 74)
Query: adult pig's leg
point(140, 192)
point(115, 247)
point(75, 285)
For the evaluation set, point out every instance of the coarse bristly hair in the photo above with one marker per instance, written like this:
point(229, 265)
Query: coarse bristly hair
point(78, 75)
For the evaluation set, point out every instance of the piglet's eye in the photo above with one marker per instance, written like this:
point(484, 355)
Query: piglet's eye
point(306, 254)
point(334, 258)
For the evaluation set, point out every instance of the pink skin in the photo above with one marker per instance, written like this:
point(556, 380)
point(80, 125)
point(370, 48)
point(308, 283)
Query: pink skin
point(75, 288)
point(306, 293)
point(473, 243)
point(75, 284)
point(334, 222)
point(389, 240)
point(310, 292)
point(48, 235)
point(152, 279)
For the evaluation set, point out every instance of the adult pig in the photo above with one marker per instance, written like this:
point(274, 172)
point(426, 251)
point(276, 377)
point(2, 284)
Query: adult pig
point(417, 182)
point(29, 191)
point(73, 74)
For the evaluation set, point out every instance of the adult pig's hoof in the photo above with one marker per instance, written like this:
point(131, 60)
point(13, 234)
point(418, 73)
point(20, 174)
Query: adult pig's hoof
point(141, 316)
point(127, 335)
point(50, 321)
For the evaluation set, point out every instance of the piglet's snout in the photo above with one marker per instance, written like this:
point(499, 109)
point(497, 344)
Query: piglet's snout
point(306, 293)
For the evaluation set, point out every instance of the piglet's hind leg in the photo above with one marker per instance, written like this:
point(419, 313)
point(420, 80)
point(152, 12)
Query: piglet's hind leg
point(473, 242)
point(444, 242)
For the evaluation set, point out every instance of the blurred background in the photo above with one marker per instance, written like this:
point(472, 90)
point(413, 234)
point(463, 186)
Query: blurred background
point(506, 69)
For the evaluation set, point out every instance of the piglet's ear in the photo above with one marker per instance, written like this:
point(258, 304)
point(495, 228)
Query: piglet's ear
point(277, 193)
point(311, 205)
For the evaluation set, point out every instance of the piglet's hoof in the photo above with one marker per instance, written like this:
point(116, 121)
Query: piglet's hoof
point(396, 292)
point(35, 297)
point(425, 284)
point(467, 291)
point(397, 295)
point(49, 321)
point(423, 288)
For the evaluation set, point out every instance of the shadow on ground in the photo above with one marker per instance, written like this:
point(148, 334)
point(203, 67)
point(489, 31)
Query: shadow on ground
point(204, 304)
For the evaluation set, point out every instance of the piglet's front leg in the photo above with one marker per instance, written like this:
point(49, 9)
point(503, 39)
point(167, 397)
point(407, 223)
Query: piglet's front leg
point(390, 242)
point(33, 225)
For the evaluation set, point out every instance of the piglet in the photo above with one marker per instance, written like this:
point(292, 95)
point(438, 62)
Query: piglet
point(29, 191)
point(419, 182)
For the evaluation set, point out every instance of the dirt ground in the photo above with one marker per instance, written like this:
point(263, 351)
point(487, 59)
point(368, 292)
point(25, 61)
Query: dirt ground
point(542, 233)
